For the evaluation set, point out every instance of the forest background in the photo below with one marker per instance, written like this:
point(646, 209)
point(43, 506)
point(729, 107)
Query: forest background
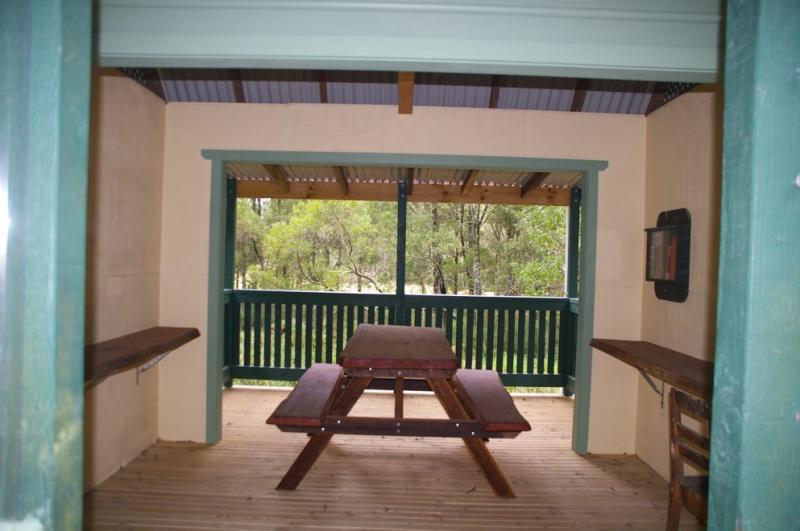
point(450, 248)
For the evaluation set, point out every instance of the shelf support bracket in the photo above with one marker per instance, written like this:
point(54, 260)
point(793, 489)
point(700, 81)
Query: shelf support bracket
point(653, 386)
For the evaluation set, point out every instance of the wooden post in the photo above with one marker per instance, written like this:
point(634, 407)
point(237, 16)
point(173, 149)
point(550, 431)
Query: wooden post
point(400, 286)
point(44, 123)
point(755, 463)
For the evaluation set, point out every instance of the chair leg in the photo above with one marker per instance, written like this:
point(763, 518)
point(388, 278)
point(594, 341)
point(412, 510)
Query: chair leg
point(675, 507)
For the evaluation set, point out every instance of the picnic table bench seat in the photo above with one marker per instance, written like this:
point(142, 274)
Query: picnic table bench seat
point(311, 397)
point(487, 398)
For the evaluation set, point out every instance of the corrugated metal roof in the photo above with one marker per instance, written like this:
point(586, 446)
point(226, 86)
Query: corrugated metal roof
point(380, 88)
point(562, 179)
point(616, 97)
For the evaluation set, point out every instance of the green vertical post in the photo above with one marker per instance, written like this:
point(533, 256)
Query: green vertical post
point(400, 287)
point(231, 305)
point(566, 352)
point(573, 241)
point(585, 321)
point(755, 461)
point(45, 52)
point(230, 231)
point(215, 325)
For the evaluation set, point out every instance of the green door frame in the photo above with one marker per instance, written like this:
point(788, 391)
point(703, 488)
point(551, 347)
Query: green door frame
point(755, 444)
point(217, 260)
point(44, 115)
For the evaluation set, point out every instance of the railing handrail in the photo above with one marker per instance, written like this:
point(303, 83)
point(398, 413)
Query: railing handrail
point(433, 299)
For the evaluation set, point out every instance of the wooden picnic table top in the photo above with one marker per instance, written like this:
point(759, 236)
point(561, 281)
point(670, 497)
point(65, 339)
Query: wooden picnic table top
point(398, 347)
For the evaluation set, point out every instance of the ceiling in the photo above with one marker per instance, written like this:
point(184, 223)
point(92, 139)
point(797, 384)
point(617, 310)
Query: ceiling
point(455, 185)
point(429, 89)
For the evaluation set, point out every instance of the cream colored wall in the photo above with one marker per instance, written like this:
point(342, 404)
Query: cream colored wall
point(123, 258)
point(683, 171)
point(348, 128)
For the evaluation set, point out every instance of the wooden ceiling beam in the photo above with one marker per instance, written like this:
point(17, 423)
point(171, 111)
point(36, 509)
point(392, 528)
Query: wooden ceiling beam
point(533, 182)
point(341, 180)
point(278, 175)
point(323, 87)
point(423, 193)
point(405, 92)
point(238, 86)
point(579, 96)
point(469, 181)
point(494, 95)
point(410, 174)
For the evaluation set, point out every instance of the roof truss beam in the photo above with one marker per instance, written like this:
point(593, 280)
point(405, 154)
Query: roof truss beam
point(469, 181)
point(533, 182)
point(405, 92)
point(278, 176)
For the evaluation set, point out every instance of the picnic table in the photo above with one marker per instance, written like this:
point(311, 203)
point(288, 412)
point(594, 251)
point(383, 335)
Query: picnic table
point(478, 405)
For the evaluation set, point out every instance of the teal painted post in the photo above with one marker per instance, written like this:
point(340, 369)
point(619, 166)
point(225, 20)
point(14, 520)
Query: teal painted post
point(585, 326)
point(755, 433)
point(566, 353)
point(215, 334)
point(45, 53)
point(230, 258)
point(400, 286)
point(573, 241)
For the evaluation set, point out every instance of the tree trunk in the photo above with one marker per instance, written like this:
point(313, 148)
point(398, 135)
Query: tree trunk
point(439, 285)
point(474, 242)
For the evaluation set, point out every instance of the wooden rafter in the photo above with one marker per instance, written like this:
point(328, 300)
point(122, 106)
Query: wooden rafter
point(423, 193)
point(579, 96)
point(278, 176)
point(410, 174)
point(494, 96)
point(323, 87)
point(469, 181)
point(341, 180)
point(238, 86)
point(533, 182)
point(405, 92)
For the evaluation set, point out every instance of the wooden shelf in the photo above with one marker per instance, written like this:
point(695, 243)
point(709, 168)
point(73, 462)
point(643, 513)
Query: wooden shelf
point(127, 352)
point(680, 370)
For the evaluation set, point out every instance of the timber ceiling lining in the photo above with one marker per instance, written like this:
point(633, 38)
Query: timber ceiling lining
point(430, 89)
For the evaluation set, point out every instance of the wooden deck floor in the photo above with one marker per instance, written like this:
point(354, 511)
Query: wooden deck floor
point(379, 483)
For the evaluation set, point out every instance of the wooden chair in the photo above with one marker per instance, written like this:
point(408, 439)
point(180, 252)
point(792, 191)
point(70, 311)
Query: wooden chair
point(686, 446)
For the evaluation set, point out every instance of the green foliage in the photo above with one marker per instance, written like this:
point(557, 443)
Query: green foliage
point(350, 246)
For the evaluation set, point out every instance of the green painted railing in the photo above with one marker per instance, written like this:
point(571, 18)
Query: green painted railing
point(276, 335)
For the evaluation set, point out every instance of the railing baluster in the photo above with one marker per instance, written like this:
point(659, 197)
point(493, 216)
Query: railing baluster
point(278, 333)
point(392, 316)
point(490, 339)
point(237, 327)
point(520, 368)
point(287, 336)
point(247, 333)
point(309, 332)
point(531, 339)
point(417, 317)
point(501, 341)
point(351, 320)
point(459, 336)
point(298, 336)
point(512, 341)
point(329, 333)
point(339, 329)
point(267, 334)
point(438, 323)
point(318, 333)
point(470, 323)
point(257, 335)
point(551, 343)
point(542, 332)
point(479, 350)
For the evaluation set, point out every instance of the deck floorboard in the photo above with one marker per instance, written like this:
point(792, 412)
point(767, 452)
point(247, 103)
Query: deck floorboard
point(382, 483)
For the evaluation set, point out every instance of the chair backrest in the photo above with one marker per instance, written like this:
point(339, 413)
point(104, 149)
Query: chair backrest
point(687, 445)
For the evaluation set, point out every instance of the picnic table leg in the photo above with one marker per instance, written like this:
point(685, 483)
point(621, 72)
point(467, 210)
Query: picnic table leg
point(342, 405)
point(476, 446)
